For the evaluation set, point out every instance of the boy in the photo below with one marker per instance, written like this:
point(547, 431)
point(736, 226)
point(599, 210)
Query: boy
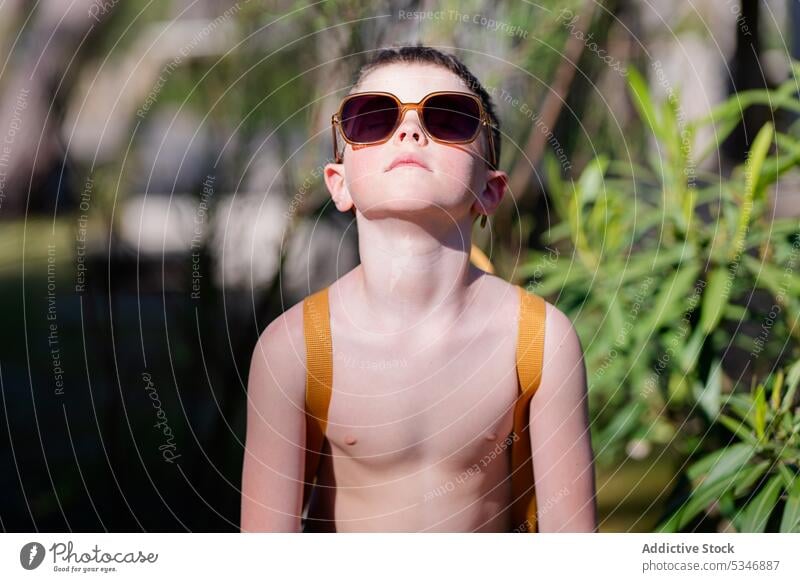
point(419, 423)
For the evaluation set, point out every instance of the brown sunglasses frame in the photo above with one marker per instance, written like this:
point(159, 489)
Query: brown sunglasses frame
point(336, 121)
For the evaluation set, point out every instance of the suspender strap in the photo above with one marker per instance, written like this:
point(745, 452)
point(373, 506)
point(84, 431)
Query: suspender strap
point(319, 379)
point(530, 352)
point(478, 258)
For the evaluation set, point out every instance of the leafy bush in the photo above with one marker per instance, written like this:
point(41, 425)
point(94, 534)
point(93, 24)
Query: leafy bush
point(748, 481)
point(658, 263)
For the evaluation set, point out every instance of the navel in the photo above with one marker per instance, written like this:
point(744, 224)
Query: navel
point(350, 439)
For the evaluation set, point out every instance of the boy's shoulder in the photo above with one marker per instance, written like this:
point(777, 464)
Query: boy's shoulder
point(288, 328)
point(554, 317)
point(562, 346)
point(282, 343)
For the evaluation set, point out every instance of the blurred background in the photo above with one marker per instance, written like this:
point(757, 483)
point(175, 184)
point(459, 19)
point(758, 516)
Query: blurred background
point(161, 202)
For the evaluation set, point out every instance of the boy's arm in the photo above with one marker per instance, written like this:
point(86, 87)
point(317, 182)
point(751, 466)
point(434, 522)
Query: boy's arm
point(274, 460)
point(563, 463)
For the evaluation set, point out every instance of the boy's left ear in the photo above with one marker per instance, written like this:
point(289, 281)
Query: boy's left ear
point(491, 196)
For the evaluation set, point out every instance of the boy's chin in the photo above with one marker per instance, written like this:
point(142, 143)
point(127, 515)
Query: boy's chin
point(409, 197)
point(412, 208)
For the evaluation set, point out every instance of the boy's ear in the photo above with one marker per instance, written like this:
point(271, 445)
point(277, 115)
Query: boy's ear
point(337, 186)
point(489, 199)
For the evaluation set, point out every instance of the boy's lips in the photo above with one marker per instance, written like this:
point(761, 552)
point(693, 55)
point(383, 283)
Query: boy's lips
point(407, 160)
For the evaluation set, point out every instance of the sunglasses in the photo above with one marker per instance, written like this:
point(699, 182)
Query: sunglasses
point(448, 117)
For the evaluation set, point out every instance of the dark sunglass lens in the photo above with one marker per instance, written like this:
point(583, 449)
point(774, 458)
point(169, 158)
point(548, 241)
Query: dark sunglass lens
point(452, 117)
point(369, 117)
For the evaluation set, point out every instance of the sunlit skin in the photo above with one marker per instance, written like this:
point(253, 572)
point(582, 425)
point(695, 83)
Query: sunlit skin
point(424, 359)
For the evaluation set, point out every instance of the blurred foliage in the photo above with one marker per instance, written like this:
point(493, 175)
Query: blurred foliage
point(657, 265)
point(755, 481)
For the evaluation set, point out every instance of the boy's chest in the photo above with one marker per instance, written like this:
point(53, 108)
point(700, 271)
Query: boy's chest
point(444, 400)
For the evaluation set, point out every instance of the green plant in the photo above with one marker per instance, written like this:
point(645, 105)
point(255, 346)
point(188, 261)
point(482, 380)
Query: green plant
point(745, 481)
point(657, 262)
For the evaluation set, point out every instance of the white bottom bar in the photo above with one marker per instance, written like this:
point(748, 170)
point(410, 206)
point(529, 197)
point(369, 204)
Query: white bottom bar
point(401, 557)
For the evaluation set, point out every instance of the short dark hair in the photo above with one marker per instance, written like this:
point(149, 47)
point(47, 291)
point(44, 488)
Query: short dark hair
point(425, 54)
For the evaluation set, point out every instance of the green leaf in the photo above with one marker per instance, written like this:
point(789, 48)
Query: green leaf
point(697, 502)
point(760, 409)
point(715, 298)
point(569, 277)
point(615, 321)
point(732, 461)
point(749, 476)
point(789, 454)
point(672, 296)
point(709, 397)
point(777, 385)
point(720, 135)
point(720, 462)
point(652, 263)
point(778, 280)
point(669, 122)
point(755, 160)
point(591, 181)
point(776, 166)
point(576, 220)
point(621, 425)
point(788, 476)
point(790, 522)
point(642, 100)
point(785, 422)
point(792, 380)
point(631, 170)
point(557, 232)
point(691, 351)
point(736, 313)
point(678, 387)
point(757, 512)
point(741, 405)
point(703, 465)
point(738, 428)
point(688, 207)
point(731, 109)
point(726, 504)
point(734, 107)
point(539, 264)
point(556, 186)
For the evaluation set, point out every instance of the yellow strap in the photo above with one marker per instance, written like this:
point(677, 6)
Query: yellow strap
point(319, 380)
point(478, 258)
point(530, 352)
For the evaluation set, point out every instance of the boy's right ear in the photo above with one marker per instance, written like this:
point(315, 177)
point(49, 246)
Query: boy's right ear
point(337, 186)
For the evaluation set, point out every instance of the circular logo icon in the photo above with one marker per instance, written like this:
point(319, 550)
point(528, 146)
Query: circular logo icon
point(31, 555)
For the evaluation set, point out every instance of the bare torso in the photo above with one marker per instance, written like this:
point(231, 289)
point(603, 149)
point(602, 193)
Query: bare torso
point(419, 420)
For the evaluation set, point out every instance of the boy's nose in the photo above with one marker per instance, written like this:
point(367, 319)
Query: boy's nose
point(410, 127)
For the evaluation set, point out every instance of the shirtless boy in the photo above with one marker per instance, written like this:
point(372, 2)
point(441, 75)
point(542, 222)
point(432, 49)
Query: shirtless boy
point(408, 437)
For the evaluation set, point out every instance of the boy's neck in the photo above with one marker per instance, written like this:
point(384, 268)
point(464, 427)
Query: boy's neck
point(411, 271)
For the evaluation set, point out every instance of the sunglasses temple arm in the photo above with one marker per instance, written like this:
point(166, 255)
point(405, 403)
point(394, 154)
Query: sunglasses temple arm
point(336, 158)
point(490, 131)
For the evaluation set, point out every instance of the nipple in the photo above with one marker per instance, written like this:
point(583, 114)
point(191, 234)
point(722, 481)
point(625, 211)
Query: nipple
point(350, 439)
point(491, 436)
